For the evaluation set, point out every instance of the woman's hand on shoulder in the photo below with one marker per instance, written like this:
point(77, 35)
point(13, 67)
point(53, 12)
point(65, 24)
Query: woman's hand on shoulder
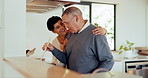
point(99, 31)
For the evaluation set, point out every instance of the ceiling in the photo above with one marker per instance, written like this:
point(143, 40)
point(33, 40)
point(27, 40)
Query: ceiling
point(41, 6)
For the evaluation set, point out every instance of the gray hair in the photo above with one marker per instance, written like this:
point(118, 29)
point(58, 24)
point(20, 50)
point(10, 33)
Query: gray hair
point(72, 10)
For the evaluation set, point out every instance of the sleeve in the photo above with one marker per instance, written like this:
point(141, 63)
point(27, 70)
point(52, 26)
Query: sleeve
point(60, 55)
point(103, 52)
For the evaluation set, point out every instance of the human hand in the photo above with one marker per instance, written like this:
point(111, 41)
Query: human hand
point(100, 70)
point(99, 31)
point(44, 46)
point(48, 47)
point(30, 52)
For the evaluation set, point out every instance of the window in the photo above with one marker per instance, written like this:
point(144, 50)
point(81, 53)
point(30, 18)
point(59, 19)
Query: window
point(103, 15)
point(100, 15)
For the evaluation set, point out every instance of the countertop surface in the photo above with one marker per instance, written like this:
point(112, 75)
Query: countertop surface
point(138, 58)
point(6, 71)
point(140, 72)
point(24, 67)
point(32, 68)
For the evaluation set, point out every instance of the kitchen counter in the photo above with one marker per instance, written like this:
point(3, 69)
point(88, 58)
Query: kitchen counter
point(124, 65)
point(32, 68)
point(6, 71)
point(140, 72)
point(131, 59)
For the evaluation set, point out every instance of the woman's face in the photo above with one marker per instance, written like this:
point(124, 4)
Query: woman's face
point(59, 28)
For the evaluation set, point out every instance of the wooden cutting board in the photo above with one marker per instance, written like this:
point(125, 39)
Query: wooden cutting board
point(141, 48)
point(143, 53)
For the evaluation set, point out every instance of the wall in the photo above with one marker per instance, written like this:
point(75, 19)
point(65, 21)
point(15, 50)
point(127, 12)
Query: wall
point(1, 31)
point(130, 21)
point(147, 19)
point(14, 29)
point(37, 32)
point(130, 24)
point(1, 43)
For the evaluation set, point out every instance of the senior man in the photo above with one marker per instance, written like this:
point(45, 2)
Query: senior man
point(84, 51)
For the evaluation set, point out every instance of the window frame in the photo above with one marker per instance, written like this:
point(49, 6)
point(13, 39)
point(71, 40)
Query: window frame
point(90, 16)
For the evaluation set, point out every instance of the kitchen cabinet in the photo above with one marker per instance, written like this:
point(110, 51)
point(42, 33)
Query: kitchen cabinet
point(124, 65)
point(118, 66)
point(140, 72)
point(42, 6)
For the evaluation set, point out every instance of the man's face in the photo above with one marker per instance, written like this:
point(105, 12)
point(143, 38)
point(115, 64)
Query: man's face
point(69, 22)
point(59, 28)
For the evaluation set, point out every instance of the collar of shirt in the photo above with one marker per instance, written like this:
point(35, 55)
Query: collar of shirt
point(85, 26)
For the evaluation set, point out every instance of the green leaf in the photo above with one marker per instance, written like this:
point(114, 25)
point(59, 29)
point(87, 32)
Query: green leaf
point(121, 47)
point(125, 48)
point(127, 42)
point(96, 24)
point(132, 44)
point(120, 52)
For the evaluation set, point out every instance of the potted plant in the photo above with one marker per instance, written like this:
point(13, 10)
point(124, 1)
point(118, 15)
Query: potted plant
point(128, 49)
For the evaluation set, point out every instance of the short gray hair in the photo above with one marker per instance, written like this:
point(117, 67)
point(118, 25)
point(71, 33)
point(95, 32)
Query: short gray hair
point(72, 10)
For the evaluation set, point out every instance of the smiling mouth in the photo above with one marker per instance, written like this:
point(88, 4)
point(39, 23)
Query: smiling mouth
point(63, 30)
